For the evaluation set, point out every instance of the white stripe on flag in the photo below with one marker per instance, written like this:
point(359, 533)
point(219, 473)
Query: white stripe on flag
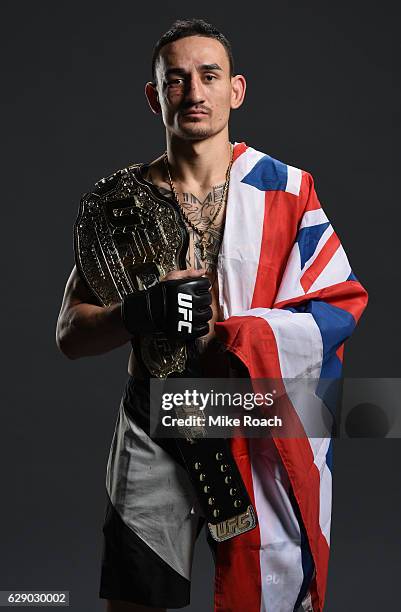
point(313, 217)
point(325, 493)
point(336, 271)
point(280, 536)
point(290, 286)
point(239, 254)
point(294, 178)
point(298, 339)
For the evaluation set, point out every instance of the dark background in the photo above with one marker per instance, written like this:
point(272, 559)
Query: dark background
point(320, 97)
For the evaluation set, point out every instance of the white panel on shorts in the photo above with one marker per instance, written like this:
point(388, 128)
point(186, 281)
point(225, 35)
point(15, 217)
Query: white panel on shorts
point(153, 494)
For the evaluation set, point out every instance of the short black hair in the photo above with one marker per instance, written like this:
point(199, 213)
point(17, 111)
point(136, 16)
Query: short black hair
point(182, 28)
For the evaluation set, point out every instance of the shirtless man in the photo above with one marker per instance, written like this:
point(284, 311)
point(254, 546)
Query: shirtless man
point(194, 89)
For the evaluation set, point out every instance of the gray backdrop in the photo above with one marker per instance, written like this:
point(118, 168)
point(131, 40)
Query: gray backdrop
point(320, 97)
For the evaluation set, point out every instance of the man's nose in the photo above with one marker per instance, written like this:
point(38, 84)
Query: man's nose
point(194, 90)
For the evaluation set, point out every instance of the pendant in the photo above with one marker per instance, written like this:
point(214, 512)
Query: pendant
point(205, 245)
point(203, 250)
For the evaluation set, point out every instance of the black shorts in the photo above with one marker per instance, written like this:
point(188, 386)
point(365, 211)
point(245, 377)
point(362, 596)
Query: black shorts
point(132, 571)
point(152, 517)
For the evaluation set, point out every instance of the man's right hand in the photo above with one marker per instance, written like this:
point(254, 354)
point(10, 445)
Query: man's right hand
point(178, 306)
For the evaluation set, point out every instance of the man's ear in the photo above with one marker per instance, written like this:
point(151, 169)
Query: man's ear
point(238, 89)
point(152, 97)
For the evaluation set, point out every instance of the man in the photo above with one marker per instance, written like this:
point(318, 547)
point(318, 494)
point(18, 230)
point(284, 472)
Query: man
point(248, 288)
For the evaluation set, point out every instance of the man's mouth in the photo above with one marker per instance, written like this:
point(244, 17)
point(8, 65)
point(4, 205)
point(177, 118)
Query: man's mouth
point(195, 113)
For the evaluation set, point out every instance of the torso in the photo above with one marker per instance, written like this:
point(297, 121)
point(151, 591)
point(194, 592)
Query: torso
point(199, 209)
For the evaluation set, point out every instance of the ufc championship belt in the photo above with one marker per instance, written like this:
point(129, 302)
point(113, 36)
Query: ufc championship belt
point(126, 237)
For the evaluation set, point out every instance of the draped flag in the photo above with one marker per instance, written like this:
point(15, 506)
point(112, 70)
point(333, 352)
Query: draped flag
point(290, 300)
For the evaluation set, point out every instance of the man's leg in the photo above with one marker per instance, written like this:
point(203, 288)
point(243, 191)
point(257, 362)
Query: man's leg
point(115, 605)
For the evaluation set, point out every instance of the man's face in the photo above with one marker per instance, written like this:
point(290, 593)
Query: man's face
point(194, 87)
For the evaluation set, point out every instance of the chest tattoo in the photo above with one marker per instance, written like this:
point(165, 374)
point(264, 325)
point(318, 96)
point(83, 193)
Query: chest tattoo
point(199, 212)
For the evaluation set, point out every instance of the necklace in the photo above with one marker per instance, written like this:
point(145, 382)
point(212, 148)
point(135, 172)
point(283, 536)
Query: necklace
point(204, 243)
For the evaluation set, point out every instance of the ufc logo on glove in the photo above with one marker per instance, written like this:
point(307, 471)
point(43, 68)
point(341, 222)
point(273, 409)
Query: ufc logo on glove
point(185, 308)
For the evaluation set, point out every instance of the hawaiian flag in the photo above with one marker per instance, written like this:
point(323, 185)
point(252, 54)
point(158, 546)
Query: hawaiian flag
point(290, 300)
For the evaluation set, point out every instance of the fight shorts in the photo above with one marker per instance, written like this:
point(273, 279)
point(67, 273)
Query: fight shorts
point(153, 518)
point(152, 515)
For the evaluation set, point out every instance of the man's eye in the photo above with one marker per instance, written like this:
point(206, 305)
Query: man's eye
point(211, 76)
point(174, 81)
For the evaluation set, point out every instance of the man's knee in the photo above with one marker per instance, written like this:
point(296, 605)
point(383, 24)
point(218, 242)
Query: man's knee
point(116, 605)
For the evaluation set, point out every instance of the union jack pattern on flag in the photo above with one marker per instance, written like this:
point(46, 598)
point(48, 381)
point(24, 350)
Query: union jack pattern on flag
point(290, 300)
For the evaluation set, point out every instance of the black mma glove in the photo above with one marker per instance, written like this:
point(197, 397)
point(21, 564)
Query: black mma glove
point(179, 308)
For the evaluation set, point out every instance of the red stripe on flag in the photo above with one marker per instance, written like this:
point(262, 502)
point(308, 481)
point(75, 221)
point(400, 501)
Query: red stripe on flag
point(237, 584)
point(274, 249)
point(237, 575)
point(348, 295)
point(340, 352)
point(321, 261)
point(312, 201)
point(239, 149)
